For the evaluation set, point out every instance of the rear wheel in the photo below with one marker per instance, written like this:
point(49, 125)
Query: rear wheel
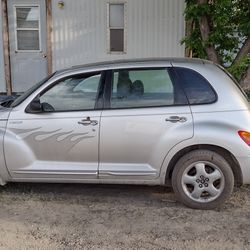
point(202, 179)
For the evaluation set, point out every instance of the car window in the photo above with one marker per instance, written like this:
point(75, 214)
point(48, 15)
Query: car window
point(198, 90)
point(89, 84)
point(133, 88)
point(26, 94)
point(73, 93)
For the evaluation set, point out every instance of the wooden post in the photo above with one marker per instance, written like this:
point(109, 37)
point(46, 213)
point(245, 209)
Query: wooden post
point(49, 35)
point(6, 47)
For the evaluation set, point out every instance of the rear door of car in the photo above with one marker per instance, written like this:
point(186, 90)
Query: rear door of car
point(145, 115)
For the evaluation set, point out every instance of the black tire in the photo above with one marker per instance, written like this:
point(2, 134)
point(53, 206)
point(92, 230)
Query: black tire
point(183, 191)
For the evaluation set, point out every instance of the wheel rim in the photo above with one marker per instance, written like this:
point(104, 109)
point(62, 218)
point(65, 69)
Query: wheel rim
point(203, 181)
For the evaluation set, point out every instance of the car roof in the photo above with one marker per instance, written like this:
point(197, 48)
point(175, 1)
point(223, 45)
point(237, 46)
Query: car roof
point(131, 62)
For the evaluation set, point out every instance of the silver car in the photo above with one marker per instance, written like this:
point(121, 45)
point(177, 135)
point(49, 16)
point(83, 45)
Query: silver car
point(178, 122)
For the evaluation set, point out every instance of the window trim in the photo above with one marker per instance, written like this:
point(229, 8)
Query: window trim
point(178, 79)
point(98, 100)
point(109, 83)
point(124, 28)
point(33, 29)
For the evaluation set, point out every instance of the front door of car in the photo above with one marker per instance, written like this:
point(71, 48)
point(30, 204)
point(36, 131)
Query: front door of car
point(147, 114)
point(60, 142)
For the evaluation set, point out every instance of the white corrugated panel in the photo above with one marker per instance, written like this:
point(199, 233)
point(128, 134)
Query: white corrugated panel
point(154, 29)
point(2, 76)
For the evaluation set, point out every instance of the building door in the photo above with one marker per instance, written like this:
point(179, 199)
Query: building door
point(27, 35)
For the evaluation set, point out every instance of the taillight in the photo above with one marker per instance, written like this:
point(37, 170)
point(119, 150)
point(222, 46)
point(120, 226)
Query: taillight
point(245, 136)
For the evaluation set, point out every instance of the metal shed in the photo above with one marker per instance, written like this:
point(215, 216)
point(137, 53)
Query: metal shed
point(41, 36)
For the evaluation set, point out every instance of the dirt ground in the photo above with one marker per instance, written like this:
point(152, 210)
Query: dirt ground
point(66, 216)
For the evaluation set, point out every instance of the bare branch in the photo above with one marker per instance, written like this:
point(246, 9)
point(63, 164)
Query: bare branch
point(245, 80)
point(189, 29)
point(245, 49)
point(205, 32)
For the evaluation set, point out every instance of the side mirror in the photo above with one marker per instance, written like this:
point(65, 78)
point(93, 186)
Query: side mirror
point(35, 106)
point(46, 107)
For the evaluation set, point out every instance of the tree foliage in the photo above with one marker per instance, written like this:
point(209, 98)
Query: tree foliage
point(220, 31)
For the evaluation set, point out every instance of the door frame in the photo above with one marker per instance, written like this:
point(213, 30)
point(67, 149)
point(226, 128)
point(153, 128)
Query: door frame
point(6, 46)
point(6, 40)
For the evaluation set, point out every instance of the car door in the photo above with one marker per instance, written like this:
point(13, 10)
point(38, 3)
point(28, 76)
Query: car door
point(146, 114)
point(60, 142)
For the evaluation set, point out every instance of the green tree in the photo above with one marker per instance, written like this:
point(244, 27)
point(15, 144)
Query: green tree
point(219, 30)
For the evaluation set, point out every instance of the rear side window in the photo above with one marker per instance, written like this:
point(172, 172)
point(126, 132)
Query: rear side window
point(196, 87)
point(135, 88)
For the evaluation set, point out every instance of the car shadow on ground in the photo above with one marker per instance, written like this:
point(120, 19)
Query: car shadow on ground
point(152, 196)
point(92, 192)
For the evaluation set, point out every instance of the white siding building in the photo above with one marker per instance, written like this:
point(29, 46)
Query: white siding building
point(48, 35)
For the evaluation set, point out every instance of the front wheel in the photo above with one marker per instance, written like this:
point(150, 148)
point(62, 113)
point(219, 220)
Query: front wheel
point(202, 179)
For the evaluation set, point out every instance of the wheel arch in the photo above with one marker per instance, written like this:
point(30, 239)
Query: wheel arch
point(229, 157)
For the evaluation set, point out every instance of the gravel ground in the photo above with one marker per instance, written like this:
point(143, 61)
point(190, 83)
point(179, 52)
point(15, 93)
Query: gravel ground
point(65, 216)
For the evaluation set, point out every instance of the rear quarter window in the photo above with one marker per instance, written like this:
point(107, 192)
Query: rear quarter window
point(197, 89)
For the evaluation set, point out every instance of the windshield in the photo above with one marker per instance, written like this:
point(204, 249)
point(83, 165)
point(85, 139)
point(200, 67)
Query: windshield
point(22, 97)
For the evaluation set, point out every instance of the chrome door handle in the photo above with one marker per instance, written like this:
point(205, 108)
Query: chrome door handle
point(94, 123)
point(175, 119)
point(87, 122)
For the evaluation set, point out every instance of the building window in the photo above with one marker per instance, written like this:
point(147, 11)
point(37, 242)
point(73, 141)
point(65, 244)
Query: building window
point(116, 27)
point(27, 28)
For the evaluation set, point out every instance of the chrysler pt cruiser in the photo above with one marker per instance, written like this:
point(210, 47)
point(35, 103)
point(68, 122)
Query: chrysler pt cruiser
point(178, 122)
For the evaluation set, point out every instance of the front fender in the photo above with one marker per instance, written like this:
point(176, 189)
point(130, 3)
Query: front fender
point(4, 174)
